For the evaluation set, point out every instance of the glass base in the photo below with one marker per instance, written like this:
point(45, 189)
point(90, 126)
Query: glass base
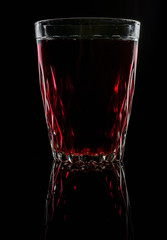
point(87, 199)
point(74, 162)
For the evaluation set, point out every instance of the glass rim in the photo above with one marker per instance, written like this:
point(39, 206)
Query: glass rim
point(105, 20)
point(87, 27)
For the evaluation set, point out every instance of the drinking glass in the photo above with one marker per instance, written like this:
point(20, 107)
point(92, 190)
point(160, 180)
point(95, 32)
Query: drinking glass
point(87, 69)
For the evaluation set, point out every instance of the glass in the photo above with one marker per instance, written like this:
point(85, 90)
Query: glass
point(87, 69)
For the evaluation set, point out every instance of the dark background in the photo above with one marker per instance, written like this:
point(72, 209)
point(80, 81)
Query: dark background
point(28, 148)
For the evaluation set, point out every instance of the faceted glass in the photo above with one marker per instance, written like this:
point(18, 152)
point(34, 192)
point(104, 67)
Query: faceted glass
point(87, 69)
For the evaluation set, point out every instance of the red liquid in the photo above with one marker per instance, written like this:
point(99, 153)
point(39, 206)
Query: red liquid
point(87, 87)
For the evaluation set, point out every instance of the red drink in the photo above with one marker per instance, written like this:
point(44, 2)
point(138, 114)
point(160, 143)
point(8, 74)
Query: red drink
point(87, 88)
point(87, 72)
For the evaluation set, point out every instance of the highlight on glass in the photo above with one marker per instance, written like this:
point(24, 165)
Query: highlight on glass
point(87, 70)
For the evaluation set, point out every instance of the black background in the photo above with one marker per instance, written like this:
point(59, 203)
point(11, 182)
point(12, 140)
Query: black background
point(28, 151)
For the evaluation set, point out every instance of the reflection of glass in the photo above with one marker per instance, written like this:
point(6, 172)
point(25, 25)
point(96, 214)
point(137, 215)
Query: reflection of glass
point(87, 76)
